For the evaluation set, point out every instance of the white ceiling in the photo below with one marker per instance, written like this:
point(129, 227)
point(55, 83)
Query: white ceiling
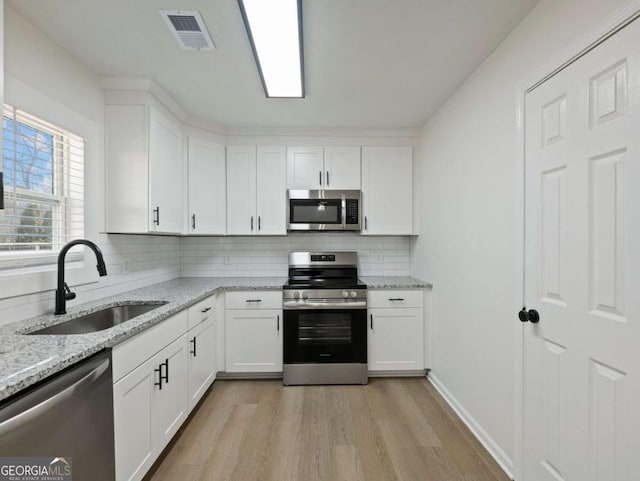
point(368, 63)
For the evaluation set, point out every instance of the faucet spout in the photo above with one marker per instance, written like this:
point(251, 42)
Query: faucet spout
point(63, 293)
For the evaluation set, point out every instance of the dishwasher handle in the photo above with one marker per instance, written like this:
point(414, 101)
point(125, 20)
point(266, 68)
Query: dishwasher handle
point(44, 398)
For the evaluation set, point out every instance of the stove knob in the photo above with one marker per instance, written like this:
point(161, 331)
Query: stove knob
point(305, 296)
point(345, 294)
point(354, 293)
point(296, 295)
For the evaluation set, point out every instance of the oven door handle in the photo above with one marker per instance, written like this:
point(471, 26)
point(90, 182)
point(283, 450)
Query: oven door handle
point(293, 305)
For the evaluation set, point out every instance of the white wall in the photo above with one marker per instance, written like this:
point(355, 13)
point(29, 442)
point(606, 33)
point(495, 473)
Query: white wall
point(467, 155)
point(45, 80)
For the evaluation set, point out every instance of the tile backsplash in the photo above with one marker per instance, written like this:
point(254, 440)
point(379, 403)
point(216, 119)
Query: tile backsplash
point(267, 256)
point(138, 261)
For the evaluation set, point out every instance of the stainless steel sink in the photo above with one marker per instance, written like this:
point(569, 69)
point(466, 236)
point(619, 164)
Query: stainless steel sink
point(100, 320)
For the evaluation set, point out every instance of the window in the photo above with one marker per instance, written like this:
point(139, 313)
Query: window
point(43, 167)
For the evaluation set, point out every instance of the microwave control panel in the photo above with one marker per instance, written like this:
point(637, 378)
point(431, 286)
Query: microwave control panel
point(352, 212)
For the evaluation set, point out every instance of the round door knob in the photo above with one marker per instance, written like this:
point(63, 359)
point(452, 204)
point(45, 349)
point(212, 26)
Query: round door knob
point(296, 295)
point(529, 316)
point(305, 295)
point(345, 294)
point(354, 293)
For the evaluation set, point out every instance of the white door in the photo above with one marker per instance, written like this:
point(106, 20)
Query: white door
point(387, 190)
point(171, 401)
point(582, 264)
point(165, 174)
point(342, 168)
point(305, 168)
point(396, 339)
point(271, 191)
point(241, 190)
point(202, 360)
point(207, 212)
point(133, 419)
point(253, 340)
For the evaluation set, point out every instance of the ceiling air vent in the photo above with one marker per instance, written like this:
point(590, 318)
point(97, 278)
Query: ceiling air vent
point(188, 29)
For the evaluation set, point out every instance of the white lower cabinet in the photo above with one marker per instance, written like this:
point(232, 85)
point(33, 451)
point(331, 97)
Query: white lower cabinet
point(202, 360)
point(396, 332)
point(160, 375)
point(253, 334)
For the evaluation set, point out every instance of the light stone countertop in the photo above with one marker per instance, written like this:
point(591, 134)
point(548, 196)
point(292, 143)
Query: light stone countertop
point(26, 360)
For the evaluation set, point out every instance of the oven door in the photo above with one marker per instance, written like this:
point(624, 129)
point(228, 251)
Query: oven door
point(325, 336)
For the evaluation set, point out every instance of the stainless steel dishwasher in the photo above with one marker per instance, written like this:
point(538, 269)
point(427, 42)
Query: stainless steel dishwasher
point(69, 415)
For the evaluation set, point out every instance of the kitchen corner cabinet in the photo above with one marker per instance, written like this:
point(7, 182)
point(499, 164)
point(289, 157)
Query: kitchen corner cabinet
point(323, 168)
point(256, 190)
point(207, 197)
point(396, 330)
point(253, 330)
point(144, 166)
point(387, 190)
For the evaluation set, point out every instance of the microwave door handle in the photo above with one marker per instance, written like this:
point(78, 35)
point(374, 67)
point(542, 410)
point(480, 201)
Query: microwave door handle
point(344, 211)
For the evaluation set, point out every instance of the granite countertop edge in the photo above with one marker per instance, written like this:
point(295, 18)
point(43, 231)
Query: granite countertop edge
point(26, 360)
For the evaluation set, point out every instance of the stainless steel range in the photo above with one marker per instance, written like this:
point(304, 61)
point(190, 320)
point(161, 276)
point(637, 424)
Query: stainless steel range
point(325, 320)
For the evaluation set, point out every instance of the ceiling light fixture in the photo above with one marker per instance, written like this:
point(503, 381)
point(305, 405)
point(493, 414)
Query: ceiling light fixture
point(274, 28)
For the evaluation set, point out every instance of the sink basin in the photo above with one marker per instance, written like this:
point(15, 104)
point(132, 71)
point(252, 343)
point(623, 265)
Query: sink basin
point(100, 320)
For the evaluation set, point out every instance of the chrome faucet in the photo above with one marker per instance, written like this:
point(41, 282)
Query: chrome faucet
point(63, 293)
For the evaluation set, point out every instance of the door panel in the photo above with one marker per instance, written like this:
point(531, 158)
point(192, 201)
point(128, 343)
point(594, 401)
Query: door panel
point(305, 168)
point(241, 189)
point(581, 361)
point(271, 191)
point(342, 168)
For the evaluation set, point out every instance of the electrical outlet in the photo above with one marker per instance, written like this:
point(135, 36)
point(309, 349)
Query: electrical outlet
point(378, 258)
point(125, 267)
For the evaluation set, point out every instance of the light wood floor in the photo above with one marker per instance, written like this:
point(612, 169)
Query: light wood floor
point(392, 429)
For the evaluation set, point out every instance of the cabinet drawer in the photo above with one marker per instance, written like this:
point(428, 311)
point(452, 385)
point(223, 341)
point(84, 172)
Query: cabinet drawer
point(396, 298)
point(133, 352)
point(254, 300)
point(202, 311)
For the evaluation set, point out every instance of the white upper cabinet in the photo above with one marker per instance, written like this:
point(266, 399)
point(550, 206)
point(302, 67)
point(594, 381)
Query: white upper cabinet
point(144, 166)
point(256, 190)
point(207, 204)
point(342, 168)
point(271, 191)
point(305, 168)
point(387, 190)
point(323, 168)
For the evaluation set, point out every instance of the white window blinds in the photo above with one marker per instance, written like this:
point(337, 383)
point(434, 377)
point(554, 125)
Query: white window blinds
point(43, 170)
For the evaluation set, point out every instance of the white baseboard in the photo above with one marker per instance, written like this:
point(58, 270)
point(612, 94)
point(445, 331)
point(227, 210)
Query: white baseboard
point(487, 441)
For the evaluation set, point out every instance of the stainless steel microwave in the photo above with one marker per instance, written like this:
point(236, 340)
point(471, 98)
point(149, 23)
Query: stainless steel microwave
point(324, 210)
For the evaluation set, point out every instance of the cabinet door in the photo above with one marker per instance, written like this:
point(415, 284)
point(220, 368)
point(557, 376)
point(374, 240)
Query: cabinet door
point(387, 190)
point(134, 427)
point(342, 168)
point(165, 174)
point(305, 168)
point(271, 191)
point(170, 402)
point(241, 190)
point(396, 339)
point(207, 212)
point(253, 340)
point(202, 360)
